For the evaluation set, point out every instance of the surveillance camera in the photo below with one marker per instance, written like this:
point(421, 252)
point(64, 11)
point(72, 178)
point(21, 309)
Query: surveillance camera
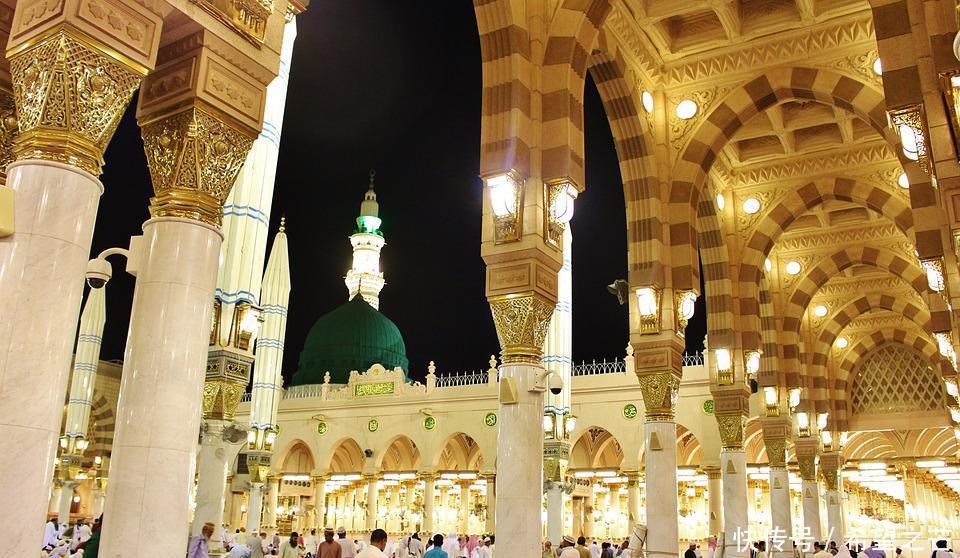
point(555, 384)
point(98, 273)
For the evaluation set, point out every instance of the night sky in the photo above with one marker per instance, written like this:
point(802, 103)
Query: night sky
point(394, 86)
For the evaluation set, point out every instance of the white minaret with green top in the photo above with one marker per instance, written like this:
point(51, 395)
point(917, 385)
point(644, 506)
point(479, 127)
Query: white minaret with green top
point(364, 277)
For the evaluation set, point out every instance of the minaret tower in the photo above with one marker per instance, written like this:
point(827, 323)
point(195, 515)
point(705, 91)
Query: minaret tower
point(365, 277)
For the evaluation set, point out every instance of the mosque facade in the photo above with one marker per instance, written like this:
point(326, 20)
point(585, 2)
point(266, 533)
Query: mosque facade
point(798, 156)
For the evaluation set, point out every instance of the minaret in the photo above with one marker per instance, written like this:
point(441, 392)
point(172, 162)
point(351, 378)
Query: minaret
point(365, 276)
point(267, 381)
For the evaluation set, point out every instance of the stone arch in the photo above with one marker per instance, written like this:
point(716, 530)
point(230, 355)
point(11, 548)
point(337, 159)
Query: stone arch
point(102, 423)
point(399, 454)
point(596, 448)
point(932, 442)
point(819, 274)
point(346, 456)
point(689, 448)
point(719, 289)
point(871, 445)
point(641, 186)
point(719, 125)
point(753, 444)
point(296, 458)
point(459, 452)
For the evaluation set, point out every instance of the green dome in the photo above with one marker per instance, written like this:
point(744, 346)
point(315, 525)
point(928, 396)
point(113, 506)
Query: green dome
point(354, 336)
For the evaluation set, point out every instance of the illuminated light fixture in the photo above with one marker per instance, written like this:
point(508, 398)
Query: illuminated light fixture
point(721, 202)
point(570, 423)
point(949, 477)
point(82, 444)
point(248, 319)
point(751, 361)
point(97, 460)
point(910, 142)
point(686, 109)
point(951, 386)
point(946, 346)
point(505, 202)
point(548, 423)
point(944, 470)
point(842, 342)
point(820, 310)
point(767, 264)
point(686, 306)
point(822, 421)
point(647, 99)
point(793, 396)
point(770, 396)
point(872, 466)
point(751, 206)
point(903, 180)
point(931, 463)
point(826, 438)
point(559, 197)
point(955, 413)
point(793, 267)
point(843, 438)
point(251, 436)
point(724, 366)
point(583, 474)
point(909, 124)
point(605, 474)
point(76, 499)
point(561, 205)
point(934, 270)
point(296, 478)
point(878, 67)
point(63, 442)
point(803, 423)
point(648, 308)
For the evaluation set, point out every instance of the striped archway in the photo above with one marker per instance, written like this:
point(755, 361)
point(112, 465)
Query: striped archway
point(103, 419)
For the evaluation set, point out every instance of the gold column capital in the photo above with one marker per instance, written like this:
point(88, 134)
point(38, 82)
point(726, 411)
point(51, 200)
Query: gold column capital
point(258, 465)
point(221, 397)
point(808, 467)
point(522, 321)
point(731, 408)
point(70, 91)
point(659, 390)
point(830, 465)
point(712, 472)
point(732, 428)
point(776, 451)
point(776, 431)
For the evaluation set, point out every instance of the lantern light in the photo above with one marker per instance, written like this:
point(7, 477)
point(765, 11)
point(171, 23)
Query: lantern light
point(503, 195)
point(770, 396)
point(878, 67)
point(767, 264)
point(647, 301)
point(723, 359)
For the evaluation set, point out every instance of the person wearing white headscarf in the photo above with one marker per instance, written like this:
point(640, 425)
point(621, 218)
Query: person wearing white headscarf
point(451, 546)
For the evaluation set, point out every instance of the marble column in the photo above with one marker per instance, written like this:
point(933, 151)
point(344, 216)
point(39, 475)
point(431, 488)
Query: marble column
point(715, 500)
point(53, 506)
point(371, 523)
point(831, 464)
point(464, 507)
point(67, 491)
point(254, 508)
point(810, 494)
point(428, 501)
point(320, 500)
point(211, 480)
point(554, 512)
point(733, 465)
point(273, 500)
point(42, 265)
point(99, 497)
point(633, 500)
point(577, 517)
point(588, 506)
point(659, 389)
point(776, 429)
point(491, 525)
point(236, 511)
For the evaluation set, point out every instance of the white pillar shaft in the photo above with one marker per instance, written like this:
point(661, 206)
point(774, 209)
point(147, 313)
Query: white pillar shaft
point(733, 466)
point(85, 364)
point(319, 502)
point(371, 505)
point(715, 490)
point(41, 284)
point(236, 511)
point(633, 505)
point(558, 346)
point(555, 513)
point(810, 492)
point(154, 450)
point(211, 482)
point(254, 508)
point(588, 507)
point(428, 498)
point(273, 499)
point(464, 509)
point(54, 505)
point(520, 465)
point(66, 502)
point(780, 502)
point(661, 467)
point(98, 500)
point(834, 516)
point(491, 506)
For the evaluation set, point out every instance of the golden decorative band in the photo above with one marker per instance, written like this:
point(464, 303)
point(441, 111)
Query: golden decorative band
point(808, 467)
point(776, 452)
point(660, 390)
point(221, 397)
point(522, 321)
point(69, 96)
point(732, 429)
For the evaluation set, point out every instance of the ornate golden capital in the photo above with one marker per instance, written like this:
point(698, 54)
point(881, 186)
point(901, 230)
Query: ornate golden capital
point(776, 451)
point(221, 397)
point(808, 467)
point(521, 321)
point(70, 96)
point(830, 478)
point(659, 391)
point(732, 429)
point(712, 472)
point(258, 463)
point(8, 132)
point(194, 156)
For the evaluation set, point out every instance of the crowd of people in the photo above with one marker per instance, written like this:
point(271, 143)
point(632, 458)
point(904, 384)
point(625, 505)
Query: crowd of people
point(80, 540)
point(578, 548)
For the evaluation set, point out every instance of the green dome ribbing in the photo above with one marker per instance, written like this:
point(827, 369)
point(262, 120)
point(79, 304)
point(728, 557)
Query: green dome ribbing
point(354, 336)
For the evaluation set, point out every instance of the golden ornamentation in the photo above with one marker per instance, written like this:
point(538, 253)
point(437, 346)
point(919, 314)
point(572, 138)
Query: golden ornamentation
point(776, 451)
point(731, 431)
point(69, 98)
point(912, 116)
point(258, 464)
point(522, 321)
point(659, 391)
point(248, 18)
point(382, 388)
point(194, 157)
point(221, 397)
point(8, 132)
point(830, 478)
point(808, 467)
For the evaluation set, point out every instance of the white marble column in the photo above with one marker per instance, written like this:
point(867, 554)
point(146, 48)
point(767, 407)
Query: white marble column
point(371, 504)
point(633, 500)
point(810, 492)
point(254, 508)
point(236, 511)
point(554, 512)
point(520, 463)
point(99, 497)
point(780, 507)
point(158, 417)
point(211, 480)
point(715, 500)
point(67, 491)
point(588, 506)
point(273, 500)
point(41, 283)
point(733, 466)
point(464, 507)
point(54, 505)
point(491, 525)
point(319, 500)
point(428, 501)
point(661, 467)
point(834, 516)
point(577, 505)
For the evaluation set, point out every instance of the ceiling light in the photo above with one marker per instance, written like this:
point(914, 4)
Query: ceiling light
point(931, 463)
point(721, 203)
point(903, 181)
point(767, 264)
point(686, 109)
point(793, 267)
point(751, 206)
point(842, 342)
point(872, 466)
point(820, 310)
point(944, 470)
point(878, 67)
point(647, 99)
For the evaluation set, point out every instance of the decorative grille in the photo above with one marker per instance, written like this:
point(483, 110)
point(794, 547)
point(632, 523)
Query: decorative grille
point(893, 379)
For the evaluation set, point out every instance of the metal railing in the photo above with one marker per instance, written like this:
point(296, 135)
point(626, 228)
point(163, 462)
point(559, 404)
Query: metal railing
point(471, 378)
point(247, 397)
point(595, 368)
point(300, 392)
point(695, 359)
